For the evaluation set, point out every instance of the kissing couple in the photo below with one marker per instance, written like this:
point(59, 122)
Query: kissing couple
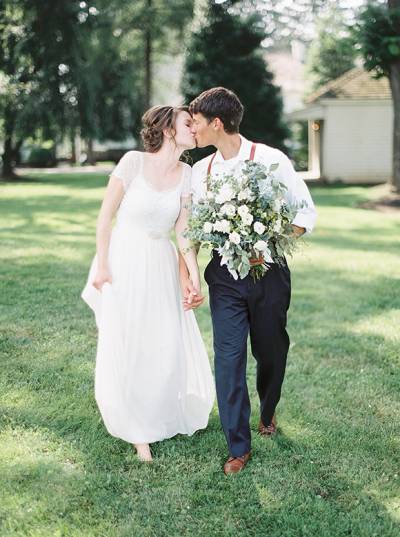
point(152, 376)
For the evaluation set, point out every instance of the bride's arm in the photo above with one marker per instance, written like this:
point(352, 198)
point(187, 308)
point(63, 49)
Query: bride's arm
point(187, 252)
point(111, 202)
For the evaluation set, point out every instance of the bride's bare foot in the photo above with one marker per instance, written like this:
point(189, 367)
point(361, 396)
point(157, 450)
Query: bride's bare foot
point(143, 452)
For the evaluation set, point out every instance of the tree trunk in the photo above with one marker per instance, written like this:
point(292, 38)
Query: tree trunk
point(394, 78)
point(148, 57)
point(8, 155)
point(89, 152)
point(395, 87)
point(8, 164)
point(17, 152)
point(73, 148)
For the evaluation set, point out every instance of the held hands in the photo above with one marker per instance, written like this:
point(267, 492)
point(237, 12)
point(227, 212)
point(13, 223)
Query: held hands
point(298, 231)
point(102, 276)
point(191, 291)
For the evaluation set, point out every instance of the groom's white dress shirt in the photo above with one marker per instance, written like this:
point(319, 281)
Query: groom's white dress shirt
point(297, 190)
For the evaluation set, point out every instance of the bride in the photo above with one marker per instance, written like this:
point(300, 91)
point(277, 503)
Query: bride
point(152, 376)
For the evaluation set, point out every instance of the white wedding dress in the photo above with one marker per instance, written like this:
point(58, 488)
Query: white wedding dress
point(152, 377)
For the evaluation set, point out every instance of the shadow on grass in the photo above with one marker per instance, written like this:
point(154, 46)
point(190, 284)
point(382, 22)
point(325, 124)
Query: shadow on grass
point(72, 180)
point(375, 240)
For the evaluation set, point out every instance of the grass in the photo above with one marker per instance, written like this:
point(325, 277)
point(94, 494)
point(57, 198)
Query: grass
point(332, 471)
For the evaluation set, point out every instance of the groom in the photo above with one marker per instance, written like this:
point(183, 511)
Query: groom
point(243, 307)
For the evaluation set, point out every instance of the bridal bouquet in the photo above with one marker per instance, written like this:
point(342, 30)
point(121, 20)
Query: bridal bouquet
point(246, 219)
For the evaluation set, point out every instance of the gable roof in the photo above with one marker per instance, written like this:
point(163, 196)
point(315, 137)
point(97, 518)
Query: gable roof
point(354, 84)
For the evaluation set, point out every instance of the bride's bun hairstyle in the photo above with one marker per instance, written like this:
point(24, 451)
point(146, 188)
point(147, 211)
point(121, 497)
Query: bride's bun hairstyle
point(155, 121)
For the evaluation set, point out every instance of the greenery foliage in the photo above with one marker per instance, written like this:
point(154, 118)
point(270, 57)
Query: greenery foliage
point(378, 32)
point(333, 51)
point(224, 50)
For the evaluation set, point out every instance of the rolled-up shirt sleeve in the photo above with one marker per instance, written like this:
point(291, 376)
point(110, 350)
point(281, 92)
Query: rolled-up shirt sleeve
point(297, 193)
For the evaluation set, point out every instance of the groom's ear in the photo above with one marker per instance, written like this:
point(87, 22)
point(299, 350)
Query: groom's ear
point(217, 124)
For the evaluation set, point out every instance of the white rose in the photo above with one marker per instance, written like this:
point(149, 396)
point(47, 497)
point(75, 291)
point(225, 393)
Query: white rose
point(244, 194)
point(259, 228)
point(234, 237)
point(228, 209)
point(210, 195)
point(243, 210)
point(226, 227)
point(260, 246)
point(222, 226)
point(225, 194)
point(208, 227)
point(247, 219)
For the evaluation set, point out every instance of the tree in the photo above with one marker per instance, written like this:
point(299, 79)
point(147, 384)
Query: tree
point(39, 47)
point(159, 26)
point(224, 50)
point(378, 32)
point(106, 82)
point(115, 83)
point(70, 66)
point(332, 52)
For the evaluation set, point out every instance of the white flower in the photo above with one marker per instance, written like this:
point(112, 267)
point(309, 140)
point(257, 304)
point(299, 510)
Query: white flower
point(244, 194)
point(243, 210)
point(208, 227)
point(234, 237)
point(260, 246)
point(225, 194)
point(222, 226)
point(228, 209)
point(210, 195)
point(259, 228)
point(245, 215)
point(247, 219)
point(277, 226)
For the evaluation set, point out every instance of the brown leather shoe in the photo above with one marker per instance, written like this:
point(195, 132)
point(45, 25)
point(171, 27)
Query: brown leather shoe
point(236, 464)
point(267, 430)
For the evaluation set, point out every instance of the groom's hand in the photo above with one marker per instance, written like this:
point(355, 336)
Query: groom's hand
point(298, 231)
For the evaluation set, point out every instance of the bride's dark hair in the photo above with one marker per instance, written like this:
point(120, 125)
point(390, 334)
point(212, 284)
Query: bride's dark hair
point(155, 121)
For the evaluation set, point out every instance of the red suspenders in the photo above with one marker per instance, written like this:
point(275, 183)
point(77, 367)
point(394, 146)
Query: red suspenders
point(252, 153)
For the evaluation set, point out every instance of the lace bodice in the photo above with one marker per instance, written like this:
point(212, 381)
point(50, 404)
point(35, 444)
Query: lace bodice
point(144, 208)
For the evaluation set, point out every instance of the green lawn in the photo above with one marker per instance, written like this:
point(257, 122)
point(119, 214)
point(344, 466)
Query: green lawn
point(332, 471)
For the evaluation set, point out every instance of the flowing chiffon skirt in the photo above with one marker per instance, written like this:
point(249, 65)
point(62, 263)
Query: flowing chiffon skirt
point(152, 377)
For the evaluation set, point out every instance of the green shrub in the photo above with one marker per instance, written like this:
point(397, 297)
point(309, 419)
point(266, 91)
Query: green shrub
point(41, 157)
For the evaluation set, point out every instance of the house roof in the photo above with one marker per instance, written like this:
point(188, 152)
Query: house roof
point(354, 84)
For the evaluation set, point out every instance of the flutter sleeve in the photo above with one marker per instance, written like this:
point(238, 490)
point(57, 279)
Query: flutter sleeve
point(127, 168)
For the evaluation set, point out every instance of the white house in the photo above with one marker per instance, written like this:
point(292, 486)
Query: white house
point(350, 126)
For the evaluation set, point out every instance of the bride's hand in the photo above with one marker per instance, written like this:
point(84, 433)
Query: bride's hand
point(196, 298)
point(102, 276)
point(195, 279)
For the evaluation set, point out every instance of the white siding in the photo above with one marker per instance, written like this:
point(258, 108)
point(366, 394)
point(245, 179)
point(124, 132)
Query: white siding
point(357, 141)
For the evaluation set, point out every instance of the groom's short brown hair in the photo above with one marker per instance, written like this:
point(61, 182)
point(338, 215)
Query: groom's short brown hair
point(222, 103)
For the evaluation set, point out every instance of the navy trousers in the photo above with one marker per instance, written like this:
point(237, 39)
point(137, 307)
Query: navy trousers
point(239, 307)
